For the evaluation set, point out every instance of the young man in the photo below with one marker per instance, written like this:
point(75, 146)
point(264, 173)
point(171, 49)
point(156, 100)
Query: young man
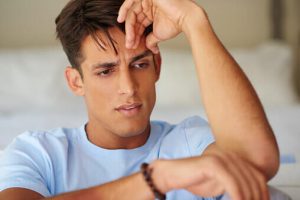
point(115, 64)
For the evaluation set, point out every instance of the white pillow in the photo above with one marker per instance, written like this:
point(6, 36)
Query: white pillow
point(34, 77)
point(268, 66)
point(31, 77)
point(178, 83)
point(270, 69)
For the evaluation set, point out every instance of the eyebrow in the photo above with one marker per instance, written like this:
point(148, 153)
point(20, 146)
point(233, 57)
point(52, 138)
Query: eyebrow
point(104, 65)
point(112, 64)
point(140, 56)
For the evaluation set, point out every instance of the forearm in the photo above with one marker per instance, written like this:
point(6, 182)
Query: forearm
point(234, 111)
point(131, 187)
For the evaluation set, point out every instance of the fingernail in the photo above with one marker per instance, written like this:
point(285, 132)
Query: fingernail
point(136, 45)
point(119, 19)
point(155, 50)
point(128, 44)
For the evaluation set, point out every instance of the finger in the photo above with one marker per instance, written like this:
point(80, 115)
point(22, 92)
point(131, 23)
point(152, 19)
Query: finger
point(139, 29)
point(134, 17)
point(147, 5)
point(252, 188)
point(138, 34)
point(137, 8)
point(224, 175)
point(126, 6)
point(151, 43)
point(262, 182)
point(130, 27)
point(258, 181)
point(238, 174)
point(140, 16)
point(144, 22)
point(266, 192)
point(231, 185)
point(256, 185)
point(231, 177)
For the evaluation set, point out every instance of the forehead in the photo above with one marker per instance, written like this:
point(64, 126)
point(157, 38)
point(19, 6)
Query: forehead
point(101, 46)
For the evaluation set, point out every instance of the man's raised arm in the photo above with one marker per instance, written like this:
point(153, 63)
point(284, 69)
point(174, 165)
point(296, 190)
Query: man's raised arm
point(234, 111)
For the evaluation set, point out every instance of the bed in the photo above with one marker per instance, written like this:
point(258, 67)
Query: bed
point(34, 96)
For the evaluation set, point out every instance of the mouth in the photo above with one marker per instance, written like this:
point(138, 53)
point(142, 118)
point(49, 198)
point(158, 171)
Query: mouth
point(129, 110)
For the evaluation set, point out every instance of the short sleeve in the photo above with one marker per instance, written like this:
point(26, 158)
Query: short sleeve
point(188, 138)
point(23, 164)
point(198, 135)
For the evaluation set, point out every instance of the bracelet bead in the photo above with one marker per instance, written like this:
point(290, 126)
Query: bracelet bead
point(147, 176)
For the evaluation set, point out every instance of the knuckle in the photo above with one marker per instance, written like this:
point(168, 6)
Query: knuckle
point(215, 161)
point(239, 194)
point(260, 177)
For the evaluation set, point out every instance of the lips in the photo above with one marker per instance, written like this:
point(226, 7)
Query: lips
point(129, 110)
point(129, 106)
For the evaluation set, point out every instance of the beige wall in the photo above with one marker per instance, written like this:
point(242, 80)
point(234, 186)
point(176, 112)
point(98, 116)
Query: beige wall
point(28, 22)
point(292, 34)
point(292, 21)
point(237, 22)
point(31, 22)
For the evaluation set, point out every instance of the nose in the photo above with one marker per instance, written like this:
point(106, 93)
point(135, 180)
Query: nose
point(127, 85)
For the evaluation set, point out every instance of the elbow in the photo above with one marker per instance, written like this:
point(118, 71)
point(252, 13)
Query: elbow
point(265, 155)
point(268, 160)
point(269, 166)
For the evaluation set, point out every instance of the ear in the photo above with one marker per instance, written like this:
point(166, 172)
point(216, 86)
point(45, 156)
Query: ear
point(74, 81)
point(157, 62)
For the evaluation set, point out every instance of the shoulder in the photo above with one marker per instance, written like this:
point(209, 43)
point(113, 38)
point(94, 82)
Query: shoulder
point(190, 123)
point(190, 137)
point(58, 134)
point(193, 122)
point(33, 157)
point(43, 142)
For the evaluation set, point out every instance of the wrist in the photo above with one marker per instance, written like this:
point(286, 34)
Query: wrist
point(147, 173)
point(195, 22)
point(159, 175)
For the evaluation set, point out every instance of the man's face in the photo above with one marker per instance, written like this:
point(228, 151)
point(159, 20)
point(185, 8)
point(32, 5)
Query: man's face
point(119, 90)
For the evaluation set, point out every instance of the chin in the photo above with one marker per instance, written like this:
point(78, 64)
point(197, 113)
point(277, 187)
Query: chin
point(131, 130)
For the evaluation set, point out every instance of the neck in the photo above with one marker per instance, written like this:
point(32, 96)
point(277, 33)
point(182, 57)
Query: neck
point(106, 139)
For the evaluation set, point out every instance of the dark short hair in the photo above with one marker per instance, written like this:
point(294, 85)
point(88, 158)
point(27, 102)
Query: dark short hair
point(81, 18)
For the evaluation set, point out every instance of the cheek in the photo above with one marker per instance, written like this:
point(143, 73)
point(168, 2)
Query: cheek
point(99, 93)
point(147, 87)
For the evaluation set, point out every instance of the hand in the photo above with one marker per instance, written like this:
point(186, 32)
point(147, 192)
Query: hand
point(167, 16)
point(211, 174)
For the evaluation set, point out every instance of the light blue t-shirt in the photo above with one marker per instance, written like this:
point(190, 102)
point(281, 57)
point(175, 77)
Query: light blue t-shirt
point(63, 160)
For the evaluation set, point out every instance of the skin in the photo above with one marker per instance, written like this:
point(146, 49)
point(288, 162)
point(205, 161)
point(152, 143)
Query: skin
point(245, 154)
point(234, 111)
point(111, 81)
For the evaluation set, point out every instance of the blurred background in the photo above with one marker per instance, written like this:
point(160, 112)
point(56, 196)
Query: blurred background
point(239, 23)
point(262, 35)
point(242, 25)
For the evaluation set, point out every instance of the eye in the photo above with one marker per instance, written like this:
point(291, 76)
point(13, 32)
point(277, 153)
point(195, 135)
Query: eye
point(140, 65)
point(106, 72)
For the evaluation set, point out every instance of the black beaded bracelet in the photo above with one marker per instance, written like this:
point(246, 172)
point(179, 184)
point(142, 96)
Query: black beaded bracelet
point(147, 175)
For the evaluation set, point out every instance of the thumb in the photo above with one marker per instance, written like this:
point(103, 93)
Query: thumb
point(151, 43)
